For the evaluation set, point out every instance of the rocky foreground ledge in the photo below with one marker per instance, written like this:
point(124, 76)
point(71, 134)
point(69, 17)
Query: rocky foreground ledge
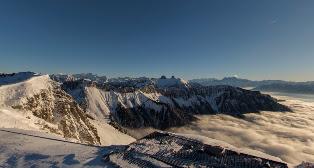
point(161, 149)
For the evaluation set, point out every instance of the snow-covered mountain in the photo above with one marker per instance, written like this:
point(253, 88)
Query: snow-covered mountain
point(39, 103)
point(72, 108)
point(163, 102)
point(98, 112)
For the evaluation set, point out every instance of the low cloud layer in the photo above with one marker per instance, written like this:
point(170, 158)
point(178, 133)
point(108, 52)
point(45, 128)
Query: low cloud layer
point(289, 136)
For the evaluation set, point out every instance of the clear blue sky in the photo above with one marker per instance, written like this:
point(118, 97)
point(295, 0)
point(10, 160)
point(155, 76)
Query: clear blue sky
point(256, 39)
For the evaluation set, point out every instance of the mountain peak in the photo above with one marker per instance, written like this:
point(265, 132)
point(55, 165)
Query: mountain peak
point(169, 82)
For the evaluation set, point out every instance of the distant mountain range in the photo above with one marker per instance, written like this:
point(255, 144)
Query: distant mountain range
point(264, 85)
point(161, 102)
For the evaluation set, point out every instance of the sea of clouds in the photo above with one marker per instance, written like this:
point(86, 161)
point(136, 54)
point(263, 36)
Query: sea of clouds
point(287, 135)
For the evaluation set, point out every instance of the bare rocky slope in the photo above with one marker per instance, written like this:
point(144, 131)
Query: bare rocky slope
point(56, 106)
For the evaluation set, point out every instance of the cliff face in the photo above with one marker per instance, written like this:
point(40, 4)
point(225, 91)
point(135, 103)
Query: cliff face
point(162, 103)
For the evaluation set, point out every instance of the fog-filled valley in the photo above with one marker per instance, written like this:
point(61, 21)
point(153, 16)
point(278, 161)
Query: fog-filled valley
point(287, 135)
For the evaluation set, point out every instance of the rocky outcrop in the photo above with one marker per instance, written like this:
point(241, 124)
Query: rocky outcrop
point(162, 149)
point(140, 116)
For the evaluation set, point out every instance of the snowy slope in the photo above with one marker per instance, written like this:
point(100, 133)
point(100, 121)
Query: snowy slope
point(11, 118)
point(97, 106)
point(20, 148)
point(100, 104)
point(111, 136)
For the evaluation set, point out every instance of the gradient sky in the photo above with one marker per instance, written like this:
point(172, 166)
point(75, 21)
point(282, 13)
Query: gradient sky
point(255, 39)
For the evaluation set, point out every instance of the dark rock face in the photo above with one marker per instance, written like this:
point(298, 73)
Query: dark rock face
point(176, 103)
point(169, 150)
point(142, 117)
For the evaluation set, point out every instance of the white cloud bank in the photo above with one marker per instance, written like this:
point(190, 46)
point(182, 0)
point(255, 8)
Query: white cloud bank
point(289, 136)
